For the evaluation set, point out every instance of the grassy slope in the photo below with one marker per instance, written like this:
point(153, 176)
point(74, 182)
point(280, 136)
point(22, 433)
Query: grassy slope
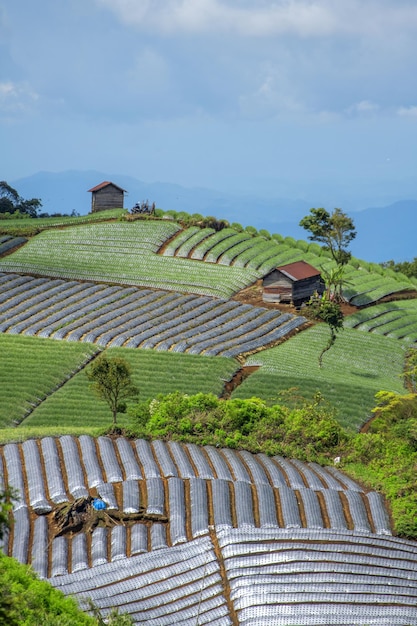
point(354, 369)
point(75, 405)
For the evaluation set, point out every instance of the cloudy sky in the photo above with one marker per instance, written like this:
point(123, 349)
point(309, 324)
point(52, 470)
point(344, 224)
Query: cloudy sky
point(265, 96)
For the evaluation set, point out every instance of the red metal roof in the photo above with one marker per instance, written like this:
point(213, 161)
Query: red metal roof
point(298, 270)
point(105, 184)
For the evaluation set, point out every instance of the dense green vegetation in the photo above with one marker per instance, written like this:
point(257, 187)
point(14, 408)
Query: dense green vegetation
point(354, 370)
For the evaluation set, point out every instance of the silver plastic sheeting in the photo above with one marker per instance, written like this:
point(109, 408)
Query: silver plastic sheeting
point(165, 461)
point(289, 508)
point(275, 473)
point(237, 467)
point(109, 460)
point(221, 504)
point(200, 461)
point(357, 511)
point(199, 507)
point(53, 473)
point(106, 493)
point(155, 496)
point(59, 557)
point(79, 555)
point(150, 468)
point(293, 475)
point(379, 513)
point(90, 461)
point(267, 506)
point(21, 534)
point(181, 459)
point(158, 536)
point(39, 555)
point(345, 480)
point(118, 543)
point(330, 480)
point(334, 509)
point(220, 466)
point(127, 455)
point(99, 546)
point(255, 468)
point(177, 510)
point(313, 481)
point(312, 510)
point(131, 496)
point(75, 476)
point(138, 539)
point(244, 504)
point(35, 482)
point(14, 474)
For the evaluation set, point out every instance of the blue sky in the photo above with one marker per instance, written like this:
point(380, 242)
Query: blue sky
point(271, 97)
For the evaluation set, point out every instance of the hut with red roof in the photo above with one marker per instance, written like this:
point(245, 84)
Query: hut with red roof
point(105, 196)
point(293, 283)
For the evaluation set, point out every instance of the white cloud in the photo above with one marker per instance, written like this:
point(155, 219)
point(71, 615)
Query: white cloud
point(16, 97)
point(364, 107)
point(410, 111)
point(306, 18)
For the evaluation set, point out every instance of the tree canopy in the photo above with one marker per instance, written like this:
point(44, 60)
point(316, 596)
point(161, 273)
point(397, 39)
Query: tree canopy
point(10, 202)
point(111, 380)
point(334, 231)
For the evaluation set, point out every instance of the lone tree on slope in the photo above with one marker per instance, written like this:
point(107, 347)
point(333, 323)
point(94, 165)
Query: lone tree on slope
point(111, 380)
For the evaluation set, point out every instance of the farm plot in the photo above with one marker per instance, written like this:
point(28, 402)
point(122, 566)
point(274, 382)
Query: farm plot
point(31, 369)
point(123, 253)
point(7, 243)
point(42, 223)
point(357, 367)
point(175, 512)
point(153, 373)
point(392, 319)
point(121, 316)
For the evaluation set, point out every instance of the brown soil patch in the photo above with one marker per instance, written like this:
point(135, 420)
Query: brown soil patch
point(237, 380)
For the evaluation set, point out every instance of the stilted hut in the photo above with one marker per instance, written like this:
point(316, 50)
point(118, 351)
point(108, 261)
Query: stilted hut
point(106, 195)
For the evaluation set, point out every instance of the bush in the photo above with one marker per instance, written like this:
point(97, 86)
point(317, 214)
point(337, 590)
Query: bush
point(237, 227)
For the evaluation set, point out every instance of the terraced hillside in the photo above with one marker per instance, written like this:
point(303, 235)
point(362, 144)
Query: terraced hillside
point(194, 535)
point(200, 535)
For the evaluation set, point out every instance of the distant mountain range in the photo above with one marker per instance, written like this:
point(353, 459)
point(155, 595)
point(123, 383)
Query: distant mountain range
point(384, 233)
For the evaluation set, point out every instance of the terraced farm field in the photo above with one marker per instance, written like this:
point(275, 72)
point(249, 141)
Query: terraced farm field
point(392, 319)
point(121, 316)
point(193, 535)
point(44, 384)
point(207, 536)
point(123, 253)
point(356, 368)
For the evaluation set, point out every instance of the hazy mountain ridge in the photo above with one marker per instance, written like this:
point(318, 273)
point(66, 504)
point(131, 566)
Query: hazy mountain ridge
point(384, 233)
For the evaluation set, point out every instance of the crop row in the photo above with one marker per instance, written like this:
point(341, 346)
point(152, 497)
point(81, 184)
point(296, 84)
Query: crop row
point(354, 370)
point(366, 282)
point(392, 319)
point(116, 316)
point(43, 383)
point(57, 222)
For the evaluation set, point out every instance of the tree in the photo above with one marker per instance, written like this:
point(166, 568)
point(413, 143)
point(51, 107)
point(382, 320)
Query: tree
point(10, 201)
point(111, 380)
point(334, 231)
point(325, 310)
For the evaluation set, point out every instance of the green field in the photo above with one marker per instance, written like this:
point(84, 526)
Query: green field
point(32, 368)
point(75, 405)
point(42, 223)
point(355, 368)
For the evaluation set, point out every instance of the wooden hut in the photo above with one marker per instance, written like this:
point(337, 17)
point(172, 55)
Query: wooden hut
point(106, 195)
point(295, 282)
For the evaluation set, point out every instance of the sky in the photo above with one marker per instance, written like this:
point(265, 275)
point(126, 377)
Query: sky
point(273, 97)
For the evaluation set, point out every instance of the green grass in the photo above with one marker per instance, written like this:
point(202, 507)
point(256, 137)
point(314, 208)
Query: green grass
point(31, 368)
point(379, 319)
point(75, 405)
point(355, 368)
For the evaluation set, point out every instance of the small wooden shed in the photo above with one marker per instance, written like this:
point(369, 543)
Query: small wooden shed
point(106, 195)
point(295, 282)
